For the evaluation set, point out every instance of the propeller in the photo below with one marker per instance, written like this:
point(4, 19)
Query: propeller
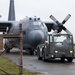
point(60, 26)
point(67, 17)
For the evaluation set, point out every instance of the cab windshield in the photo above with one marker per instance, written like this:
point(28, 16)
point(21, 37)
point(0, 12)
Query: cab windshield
point(62, 38)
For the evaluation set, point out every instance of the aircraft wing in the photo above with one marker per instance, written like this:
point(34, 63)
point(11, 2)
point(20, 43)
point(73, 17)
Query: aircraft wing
point(50, 25)
point(4, 25)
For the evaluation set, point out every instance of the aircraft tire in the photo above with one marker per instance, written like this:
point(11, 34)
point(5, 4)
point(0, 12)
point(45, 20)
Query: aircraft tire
point(7, 49)
point(31, 52)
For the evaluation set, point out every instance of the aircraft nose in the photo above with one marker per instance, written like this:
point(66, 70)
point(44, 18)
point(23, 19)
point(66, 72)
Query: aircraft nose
point(35, 37)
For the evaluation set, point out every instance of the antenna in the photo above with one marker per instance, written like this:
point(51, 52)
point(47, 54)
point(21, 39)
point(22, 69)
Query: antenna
point(11, 16)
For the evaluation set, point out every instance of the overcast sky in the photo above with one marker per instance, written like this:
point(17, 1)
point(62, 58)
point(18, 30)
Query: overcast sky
point(43, 9)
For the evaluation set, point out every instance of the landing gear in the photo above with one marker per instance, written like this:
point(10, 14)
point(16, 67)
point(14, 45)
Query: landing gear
point(7, 49)
point(31, 51)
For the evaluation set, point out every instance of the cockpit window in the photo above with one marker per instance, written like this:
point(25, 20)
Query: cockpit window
point(38, 23)
point(35, 23)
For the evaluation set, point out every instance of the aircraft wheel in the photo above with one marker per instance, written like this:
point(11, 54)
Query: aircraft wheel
point(7, 49)
point(31, 52)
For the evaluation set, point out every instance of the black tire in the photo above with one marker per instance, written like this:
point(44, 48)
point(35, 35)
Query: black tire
point(31, 52)
point(7, 49)
point(69, 59)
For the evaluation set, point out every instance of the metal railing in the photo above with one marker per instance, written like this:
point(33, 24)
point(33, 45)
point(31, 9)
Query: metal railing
point(20, 37)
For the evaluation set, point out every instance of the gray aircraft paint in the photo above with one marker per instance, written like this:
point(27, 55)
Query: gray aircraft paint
point(34, 30)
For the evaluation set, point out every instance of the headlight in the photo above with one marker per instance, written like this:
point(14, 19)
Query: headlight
point(71, 52)
point(56, 52)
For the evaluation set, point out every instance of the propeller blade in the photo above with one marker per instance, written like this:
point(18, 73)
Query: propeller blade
point(54, 19)
point(67, 17)
point(68, 32)
point(60, 25)
point(64, 28)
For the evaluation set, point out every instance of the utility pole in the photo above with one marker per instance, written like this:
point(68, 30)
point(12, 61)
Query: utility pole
point(21, 48)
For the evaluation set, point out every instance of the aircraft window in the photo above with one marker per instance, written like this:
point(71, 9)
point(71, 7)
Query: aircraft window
point(35, 23)
point(38, 23)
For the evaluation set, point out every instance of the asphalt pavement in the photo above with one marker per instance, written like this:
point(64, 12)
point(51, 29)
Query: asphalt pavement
point(52, 67)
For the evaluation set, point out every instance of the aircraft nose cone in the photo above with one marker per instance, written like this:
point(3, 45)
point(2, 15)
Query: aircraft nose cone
point(35, 37)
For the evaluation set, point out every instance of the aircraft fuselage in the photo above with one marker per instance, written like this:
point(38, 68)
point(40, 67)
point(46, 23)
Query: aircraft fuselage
point(34, 33)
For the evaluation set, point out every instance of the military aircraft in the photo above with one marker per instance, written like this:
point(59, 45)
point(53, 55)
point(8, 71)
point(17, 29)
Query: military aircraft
point(34, 30)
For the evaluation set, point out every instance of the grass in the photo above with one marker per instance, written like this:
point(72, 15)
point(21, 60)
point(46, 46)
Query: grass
point(10, 68)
